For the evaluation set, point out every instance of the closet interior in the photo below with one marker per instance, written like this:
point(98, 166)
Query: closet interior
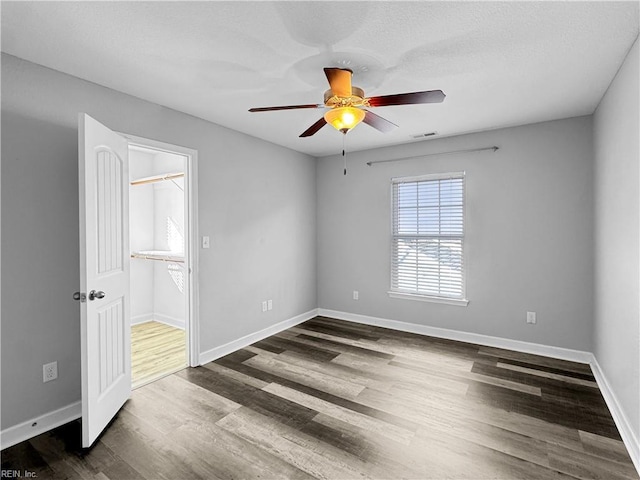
point(157, 236)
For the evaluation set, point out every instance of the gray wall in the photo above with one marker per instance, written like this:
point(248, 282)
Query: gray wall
point(617, 211)
point(529, 231)
point(256, 201)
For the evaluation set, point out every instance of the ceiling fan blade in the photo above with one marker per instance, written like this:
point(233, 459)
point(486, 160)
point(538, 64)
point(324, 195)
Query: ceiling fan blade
point(285, 107)
point(430, 96)
point(314, 128)
point(379, 123)
point(339, 80)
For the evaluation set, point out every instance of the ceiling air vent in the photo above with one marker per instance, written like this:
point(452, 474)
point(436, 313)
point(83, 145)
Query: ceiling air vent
point(423, 135)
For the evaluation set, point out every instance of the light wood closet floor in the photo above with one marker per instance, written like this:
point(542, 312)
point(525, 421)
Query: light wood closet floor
point(157, 349)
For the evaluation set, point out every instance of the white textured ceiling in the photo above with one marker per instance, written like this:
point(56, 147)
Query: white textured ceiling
point(499, 63)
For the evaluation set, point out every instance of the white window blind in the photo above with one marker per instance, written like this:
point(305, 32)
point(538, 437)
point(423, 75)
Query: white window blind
point(428, 236)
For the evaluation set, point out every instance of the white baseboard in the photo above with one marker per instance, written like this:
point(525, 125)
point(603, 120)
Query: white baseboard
point(158, 317)
point(167, 320)
point(138, 319)
point(31, 428)
point(227, 348)
point(477, 338)
point(622, 422)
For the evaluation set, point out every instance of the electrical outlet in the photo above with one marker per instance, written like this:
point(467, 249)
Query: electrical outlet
point(49, 371)
point(531, 317)
point(264, 306)
point(269, 304)
point(356, 295)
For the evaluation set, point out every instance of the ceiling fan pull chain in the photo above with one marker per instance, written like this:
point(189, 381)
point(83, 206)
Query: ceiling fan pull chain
point(344, 154)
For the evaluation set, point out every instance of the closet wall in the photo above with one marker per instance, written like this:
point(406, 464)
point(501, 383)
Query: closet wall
point(157, 229)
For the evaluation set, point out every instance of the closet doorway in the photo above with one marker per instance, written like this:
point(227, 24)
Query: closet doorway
point(161, 231)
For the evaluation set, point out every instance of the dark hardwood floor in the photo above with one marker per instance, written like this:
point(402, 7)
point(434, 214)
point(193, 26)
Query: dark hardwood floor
point(336, 400)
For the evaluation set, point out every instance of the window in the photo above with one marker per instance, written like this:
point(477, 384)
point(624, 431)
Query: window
point(427, 261)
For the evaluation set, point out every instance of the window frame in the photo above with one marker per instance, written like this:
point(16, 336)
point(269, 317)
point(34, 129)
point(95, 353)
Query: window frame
point(424, 297)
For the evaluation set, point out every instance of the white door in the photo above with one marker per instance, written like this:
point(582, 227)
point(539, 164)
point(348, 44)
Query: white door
point(104, 275)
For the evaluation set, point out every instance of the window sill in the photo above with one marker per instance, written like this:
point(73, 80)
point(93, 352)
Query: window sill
point(426, 298)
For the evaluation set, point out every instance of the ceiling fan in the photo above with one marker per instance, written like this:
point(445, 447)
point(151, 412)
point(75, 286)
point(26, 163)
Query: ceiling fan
point(347, 104)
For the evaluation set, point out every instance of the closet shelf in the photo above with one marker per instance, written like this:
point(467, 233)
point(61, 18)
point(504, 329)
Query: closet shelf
point(161, 255)
point(157, 178)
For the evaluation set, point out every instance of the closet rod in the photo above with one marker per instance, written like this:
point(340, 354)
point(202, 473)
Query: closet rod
point(157, 256)
point(494, 148)
point(157, 178)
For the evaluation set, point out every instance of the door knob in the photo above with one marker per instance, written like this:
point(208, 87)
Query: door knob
point(93, 294)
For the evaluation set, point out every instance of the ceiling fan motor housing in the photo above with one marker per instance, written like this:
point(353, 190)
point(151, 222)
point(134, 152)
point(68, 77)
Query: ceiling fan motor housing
point(356, 99)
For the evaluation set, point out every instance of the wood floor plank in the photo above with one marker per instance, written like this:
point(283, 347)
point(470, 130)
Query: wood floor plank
point(586, 466)
point(307, 453)
point(556, 374)
point(351, 375)
point(463, 457)
point(335, 399)
point(239, 376)
point(346, 415)
point(604, 447)
point(147, 450)
point(443, 359)
point(537, 360)
point(315, 379)
point(292, 345)
point(402, 457)
point(571, 414)
point(345, 330)
point(364, 449)
point(353, 342)
point(546, 382)
point(334, 345)
point(260, 401)
point(233, 456)
point(272, 438)
point(465, 377)
point(199, 402)
point(365, 364)
point(552, 434)
point(394, 374)
point(338, 400)
point(157, 349)
point(224, 454)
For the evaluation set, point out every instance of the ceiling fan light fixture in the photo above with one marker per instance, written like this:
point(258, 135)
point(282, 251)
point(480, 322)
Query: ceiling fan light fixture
point(344, 118)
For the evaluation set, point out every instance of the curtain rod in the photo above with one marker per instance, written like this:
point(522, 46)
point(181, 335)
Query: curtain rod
point(494, 148)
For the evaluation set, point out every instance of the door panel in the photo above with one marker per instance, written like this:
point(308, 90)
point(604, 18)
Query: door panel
point(109, 206)
point(111, 327)
point(104, 275)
